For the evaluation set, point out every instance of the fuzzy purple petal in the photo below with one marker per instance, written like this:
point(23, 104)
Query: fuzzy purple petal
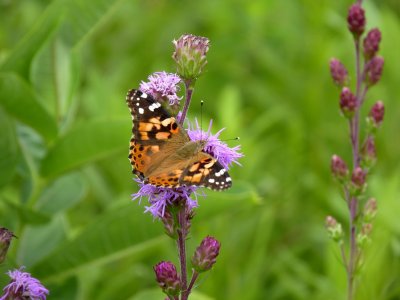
point(23, 285)
point(163, 85)
point(160, 197)
point(221, 151)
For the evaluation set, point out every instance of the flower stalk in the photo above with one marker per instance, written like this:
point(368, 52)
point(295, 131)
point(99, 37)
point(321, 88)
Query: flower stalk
point(363, 157)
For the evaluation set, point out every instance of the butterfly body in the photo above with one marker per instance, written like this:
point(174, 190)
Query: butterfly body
point(161, 152)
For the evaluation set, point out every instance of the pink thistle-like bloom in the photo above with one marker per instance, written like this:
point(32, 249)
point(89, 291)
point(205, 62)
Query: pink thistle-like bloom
point(206, 254)
point(356, 20)
point(338, 72)
point(162, 86)
point(23, 286)
point(161, 197)
point(371, 43)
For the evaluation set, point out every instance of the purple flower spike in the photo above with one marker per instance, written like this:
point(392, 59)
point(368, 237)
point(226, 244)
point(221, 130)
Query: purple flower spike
point(374, 69)
point(371, 43)
point(160, 197)
point(224, 154)
point(23, 286)
point(162, 86)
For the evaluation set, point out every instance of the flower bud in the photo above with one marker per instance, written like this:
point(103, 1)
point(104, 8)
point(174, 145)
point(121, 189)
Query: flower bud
point(373, 70)
point(356, 20)
point(376, 114)
point(348, 102)
point(339, 168)
point(334, 229)
point(169, 224)
point(338, 72)
point(370, 210)
point(358, 178)
point(5, 240)
point(368, 151)
point(206, 254)
point(371, 43)
point(364, 237)
point(168, 278)
point(190, 55)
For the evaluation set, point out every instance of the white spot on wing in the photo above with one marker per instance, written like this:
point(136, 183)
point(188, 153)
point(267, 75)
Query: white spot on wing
point(144, 95)
point(141, 110)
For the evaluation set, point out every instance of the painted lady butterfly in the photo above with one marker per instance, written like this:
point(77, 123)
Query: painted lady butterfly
point(161, 152)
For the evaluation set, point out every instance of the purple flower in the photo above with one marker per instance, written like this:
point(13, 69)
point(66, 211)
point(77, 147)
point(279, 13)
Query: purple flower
point(371, 43)
point(356, 20)
point(168, 278)
point(338, 72)
point(190, 55)
point(373, 70)
point(163, 86)
point(23, 286)
point(160, 197)
point(206, 254)
point(377, 113)
point(348, 102)
point(213, 146)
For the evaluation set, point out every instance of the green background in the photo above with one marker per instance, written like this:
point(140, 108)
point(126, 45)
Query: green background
point(65, 181)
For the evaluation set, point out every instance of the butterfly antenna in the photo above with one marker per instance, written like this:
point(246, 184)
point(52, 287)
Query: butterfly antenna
point(233, 139)
point(201, 119)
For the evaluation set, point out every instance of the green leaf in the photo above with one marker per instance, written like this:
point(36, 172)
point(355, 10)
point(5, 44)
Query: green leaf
point(119, 233)
point(21, 57)
point(9, 148)
point(81, 18)
point(19, 100)
point(39, 241)
point(26, 214)
point(89, 142)
point(62, 194)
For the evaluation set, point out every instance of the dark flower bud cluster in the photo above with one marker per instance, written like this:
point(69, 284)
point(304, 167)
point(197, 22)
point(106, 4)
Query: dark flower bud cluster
point(206, 254)
point(356, 20)
point(168, 278)
point(371, 43)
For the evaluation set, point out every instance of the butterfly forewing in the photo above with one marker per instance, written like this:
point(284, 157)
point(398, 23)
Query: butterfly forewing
point(156, 149)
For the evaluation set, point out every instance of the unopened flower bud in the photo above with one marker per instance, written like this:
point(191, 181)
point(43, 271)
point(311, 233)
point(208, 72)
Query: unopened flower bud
point(376, 114)
point(356, 20)
point(339, 168)
point(364, 237)
point(348, 102)
point(5, 240)
point(370, 210)
point(338, 72)
point(190, 55)
point(358, 178)
point(206, 254)
point(371, 43)
point(373, 70)
point(168, 278)
point(169, 224)
point(334, 229)
point(368, 151)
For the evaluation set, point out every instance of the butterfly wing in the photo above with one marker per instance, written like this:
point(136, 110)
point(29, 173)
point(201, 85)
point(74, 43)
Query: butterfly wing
point(205, 170)
point(152, 128)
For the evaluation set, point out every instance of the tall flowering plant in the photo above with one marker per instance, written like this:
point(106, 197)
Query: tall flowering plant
point(353, 179)
point(175, 204)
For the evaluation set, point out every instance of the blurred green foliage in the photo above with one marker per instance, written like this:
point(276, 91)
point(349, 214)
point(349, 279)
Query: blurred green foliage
point(65, 181)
